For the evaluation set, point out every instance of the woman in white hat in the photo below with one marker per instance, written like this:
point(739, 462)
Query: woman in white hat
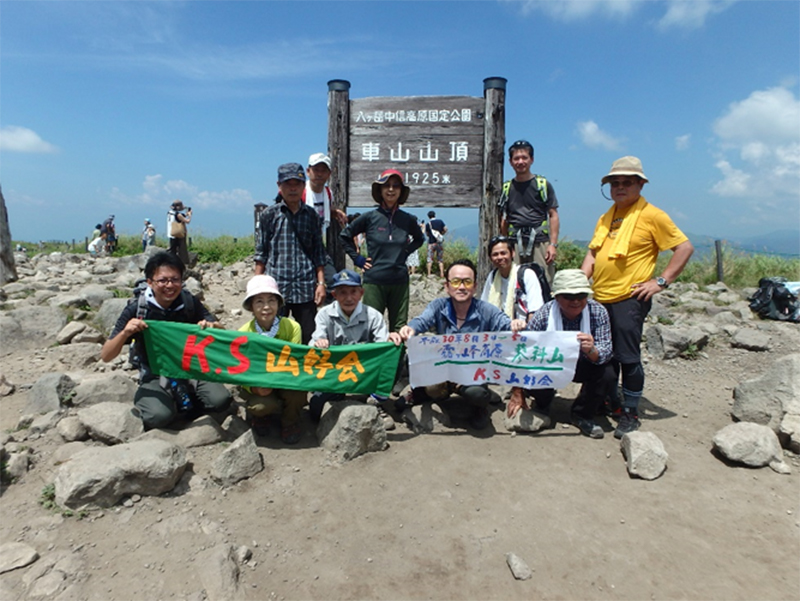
point(264, 300)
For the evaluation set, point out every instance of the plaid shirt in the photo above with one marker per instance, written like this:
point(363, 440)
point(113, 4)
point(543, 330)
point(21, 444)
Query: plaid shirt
point(291, 262)
point(599, 324)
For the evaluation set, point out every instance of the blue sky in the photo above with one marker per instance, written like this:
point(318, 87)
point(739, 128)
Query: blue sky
point(120, 107)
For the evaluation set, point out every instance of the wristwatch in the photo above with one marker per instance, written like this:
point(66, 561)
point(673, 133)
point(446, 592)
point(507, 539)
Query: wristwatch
point(662, 282)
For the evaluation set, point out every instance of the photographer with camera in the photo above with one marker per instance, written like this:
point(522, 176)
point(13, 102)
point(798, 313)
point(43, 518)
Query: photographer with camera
point(177, 220)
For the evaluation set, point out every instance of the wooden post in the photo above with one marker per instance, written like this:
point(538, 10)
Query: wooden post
point(718, 248)
point(494, 93)
point(339, 151)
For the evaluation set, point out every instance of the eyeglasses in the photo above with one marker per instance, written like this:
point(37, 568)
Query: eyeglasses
point(574, 297)
point(456, 282)
point(165, 281)
point(625, 183)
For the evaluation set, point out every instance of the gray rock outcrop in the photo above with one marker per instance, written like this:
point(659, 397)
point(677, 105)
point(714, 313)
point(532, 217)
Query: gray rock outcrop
point(350, 429)
point(111, 423)
point(752, 444)
point(101, 476)
point(239, 461)
point(16, 555)
point(645, 456)
point(772, 396)
point(49, 392)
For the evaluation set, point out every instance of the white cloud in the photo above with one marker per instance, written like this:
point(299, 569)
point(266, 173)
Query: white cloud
point(679, 13)
point(594, 137)
point(21, 139)
point(691, 14)
point(682, 142)
point(758, 141)
point(157, 192)
point(573, 10)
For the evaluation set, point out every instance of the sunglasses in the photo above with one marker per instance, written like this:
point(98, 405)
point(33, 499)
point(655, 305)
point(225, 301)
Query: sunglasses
point(626, 183)
point(456, 282)
point(574, 297)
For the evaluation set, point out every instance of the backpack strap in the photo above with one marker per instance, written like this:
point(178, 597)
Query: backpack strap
point(543, 284)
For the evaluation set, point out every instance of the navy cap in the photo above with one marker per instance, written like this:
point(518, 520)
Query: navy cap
point(289, 171)
point(346, 277)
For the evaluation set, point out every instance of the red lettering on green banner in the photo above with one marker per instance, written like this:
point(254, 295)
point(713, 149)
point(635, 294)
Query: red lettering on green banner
point(244, 362)
point(199, 350)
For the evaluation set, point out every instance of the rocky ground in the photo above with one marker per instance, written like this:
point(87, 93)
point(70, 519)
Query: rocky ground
point(432, 516)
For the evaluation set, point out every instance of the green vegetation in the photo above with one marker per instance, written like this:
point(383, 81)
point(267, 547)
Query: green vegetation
point(740, 269)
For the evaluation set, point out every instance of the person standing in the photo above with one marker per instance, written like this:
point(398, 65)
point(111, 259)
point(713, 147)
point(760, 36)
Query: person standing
point(318, 194)
point(391, 235)
point(148, 235)
point(529, 211)
point(177, 220)
point(435, 230)
point(289, 248)
point(622, 258)
point(109, 229)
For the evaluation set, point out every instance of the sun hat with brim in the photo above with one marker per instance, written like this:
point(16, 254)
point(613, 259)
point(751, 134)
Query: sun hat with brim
point(571, 281)
point(376, 186)
point(259, 284)
point(625, 166)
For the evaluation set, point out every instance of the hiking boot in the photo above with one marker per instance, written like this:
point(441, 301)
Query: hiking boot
point(628, 422)
point(587, 427)
point(378, 402)
point(405, 401)
point(291, 434)
point(260, 425)
point(480, 419)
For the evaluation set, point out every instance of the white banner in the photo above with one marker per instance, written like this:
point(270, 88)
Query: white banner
point(525, 359)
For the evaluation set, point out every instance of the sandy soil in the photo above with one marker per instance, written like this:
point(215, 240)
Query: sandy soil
point(434, 516)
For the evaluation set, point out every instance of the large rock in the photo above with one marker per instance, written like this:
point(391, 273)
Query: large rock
point(668, 342)
point(115, 388)
point(202, 431)
point(109, 312)
point(219, 573)
point(101, 476)
point(16, 555)
point(350, 429)
point(769, 397)
point(239, 461)
point(28, 328)
point(69, 331)
point(751, 340)
point(49, 393)
point(645, 456)
point(751, 444)
point(111, 423)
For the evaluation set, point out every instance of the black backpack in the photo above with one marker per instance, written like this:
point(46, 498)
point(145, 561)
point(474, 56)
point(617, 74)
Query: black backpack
point(773, 300)
point(537, 269)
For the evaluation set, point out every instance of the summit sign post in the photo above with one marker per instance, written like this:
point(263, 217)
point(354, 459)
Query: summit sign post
point(436, 142)
point(450, 150)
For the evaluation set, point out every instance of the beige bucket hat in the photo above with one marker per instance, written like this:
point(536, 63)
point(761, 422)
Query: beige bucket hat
point(625, 166)
point(571, 281)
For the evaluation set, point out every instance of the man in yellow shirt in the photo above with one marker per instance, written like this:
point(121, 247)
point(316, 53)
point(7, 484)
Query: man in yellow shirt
point(622, 258)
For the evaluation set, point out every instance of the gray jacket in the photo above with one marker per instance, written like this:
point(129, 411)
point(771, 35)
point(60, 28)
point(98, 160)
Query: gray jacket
point(367, 326)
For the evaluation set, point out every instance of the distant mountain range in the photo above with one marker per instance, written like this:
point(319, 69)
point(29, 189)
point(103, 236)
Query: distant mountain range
point(780, 242)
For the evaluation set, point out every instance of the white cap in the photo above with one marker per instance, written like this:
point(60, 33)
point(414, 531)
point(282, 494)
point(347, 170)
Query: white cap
point(319, 157)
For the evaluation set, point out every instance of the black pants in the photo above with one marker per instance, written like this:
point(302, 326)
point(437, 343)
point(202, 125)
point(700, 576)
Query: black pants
point(304, 314)
point(597, 380)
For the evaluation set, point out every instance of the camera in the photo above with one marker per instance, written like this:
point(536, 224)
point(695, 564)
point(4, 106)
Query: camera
point(188, 208)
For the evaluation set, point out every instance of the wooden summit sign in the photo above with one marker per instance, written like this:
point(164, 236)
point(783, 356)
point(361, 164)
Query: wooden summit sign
point(436, 142)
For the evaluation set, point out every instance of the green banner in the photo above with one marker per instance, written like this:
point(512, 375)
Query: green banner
point(179, 350)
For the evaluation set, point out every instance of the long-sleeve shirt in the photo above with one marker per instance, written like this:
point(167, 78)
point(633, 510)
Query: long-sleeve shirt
point(388, 245)
point(599, 325)
point(290, 247)
point(439, 317)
